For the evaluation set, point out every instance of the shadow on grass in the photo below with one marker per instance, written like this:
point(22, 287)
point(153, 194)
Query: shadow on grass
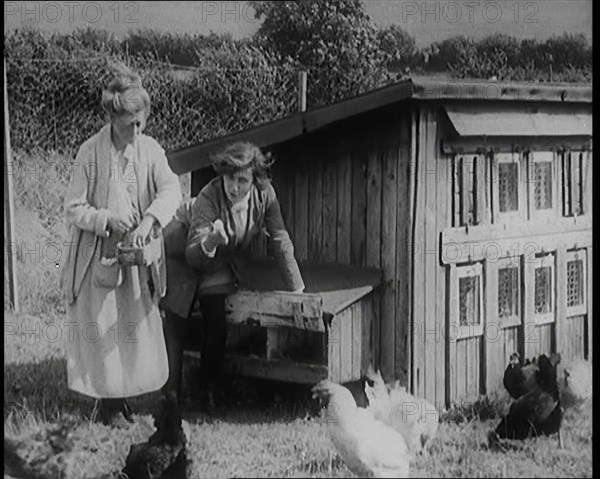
point(253, 400)
point(39, 390)
point(250, 401)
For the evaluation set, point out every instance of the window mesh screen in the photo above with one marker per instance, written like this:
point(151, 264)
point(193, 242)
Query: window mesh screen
point(575, 282)
point(543, 293)
point(508, 183)
point(542, 193)
point(508, 292)
point(469, 300)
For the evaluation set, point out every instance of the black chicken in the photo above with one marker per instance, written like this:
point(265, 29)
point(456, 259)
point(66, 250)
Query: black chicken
point(538, 411)
point(164, 455)
point(519, 378)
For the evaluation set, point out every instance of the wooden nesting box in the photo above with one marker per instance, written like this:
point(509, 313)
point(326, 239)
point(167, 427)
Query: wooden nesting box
point(326, 332)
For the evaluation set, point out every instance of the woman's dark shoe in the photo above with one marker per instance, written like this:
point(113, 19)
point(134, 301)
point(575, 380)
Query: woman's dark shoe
point(114, 413)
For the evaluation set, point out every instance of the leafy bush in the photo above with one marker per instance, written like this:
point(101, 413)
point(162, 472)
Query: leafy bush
point(399, 48)
point(560, 58)
point(184, 50)
point(55, 92)
point(87, 39)
point(441, 56)
point(235, 87)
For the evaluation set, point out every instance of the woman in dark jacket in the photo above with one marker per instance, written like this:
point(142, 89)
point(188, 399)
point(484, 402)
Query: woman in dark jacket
point(219, 226)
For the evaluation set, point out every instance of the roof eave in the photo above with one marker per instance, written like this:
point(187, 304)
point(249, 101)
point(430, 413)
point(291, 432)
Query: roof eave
point(196, 157)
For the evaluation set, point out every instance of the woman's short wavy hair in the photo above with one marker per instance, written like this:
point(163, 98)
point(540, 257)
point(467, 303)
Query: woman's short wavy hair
point(239, 156)
point(125, 94)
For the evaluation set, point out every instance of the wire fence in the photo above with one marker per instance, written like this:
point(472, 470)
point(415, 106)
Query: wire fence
point(55, 104)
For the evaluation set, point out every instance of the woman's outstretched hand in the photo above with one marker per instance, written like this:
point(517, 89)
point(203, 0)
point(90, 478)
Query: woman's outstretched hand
point(216, 237)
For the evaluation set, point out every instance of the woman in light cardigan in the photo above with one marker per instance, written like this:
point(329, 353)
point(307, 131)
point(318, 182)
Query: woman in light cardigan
point(121, 184)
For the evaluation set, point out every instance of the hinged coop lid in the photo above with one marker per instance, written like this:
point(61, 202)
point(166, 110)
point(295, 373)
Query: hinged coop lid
point(330, 288)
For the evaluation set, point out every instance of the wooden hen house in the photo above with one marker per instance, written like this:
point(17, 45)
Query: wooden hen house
point(440, 226)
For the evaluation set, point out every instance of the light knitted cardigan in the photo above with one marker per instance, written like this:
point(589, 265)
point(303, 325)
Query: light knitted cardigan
point(159, 195)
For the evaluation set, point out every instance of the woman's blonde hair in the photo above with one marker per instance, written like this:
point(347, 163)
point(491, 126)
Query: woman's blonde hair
point(240, 156)
point(125, 93)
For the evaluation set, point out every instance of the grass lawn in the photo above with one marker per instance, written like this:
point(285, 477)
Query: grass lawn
point(273, 431)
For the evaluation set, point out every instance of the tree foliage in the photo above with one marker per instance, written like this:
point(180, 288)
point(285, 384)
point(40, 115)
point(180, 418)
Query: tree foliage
point(559, 58)
point(399, 48)
point(334, 40)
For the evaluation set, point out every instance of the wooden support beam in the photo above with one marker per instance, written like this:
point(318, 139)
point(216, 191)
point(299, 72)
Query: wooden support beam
point(9, 211)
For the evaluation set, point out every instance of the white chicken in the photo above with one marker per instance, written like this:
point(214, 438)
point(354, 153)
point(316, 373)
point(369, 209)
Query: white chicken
point(367, 446)
point(574, 382)
point(415, 418)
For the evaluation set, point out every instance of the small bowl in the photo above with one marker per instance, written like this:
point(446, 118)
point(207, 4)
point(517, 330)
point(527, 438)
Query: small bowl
point(131, 255)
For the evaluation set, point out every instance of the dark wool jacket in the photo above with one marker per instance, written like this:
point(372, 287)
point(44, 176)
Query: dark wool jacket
point(190, 271)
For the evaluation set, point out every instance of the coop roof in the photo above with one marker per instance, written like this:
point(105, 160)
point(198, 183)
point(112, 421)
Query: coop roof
point(197, 156)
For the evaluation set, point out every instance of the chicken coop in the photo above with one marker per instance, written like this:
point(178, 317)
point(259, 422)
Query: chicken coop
point(441, 225)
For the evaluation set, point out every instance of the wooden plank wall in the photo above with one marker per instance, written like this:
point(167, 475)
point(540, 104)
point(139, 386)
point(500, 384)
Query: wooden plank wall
point(373, 226)
point(464, 369)
point(402, 341)
point(419, 277)
point(540, 340)
point(350, 349)
point(575, 344)
point(388, 252)
point(349, 204)
point(433, 198)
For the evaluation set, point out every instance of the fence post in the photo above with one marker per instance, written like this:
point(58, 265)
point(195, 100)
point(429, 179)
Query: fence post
point(9, 212)
point(302, 91)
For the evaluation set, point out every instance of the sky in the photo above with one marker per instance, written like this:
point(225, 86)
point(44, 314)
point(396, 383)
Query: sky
point(426, 20)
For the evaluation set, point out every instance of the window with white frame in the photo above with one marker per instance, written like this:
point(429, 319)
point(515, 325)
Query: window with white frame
point(508, 282)
point(544, 288)
point(508, 188)
point(542, 184)
point(467, 300)
point(576, 282)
